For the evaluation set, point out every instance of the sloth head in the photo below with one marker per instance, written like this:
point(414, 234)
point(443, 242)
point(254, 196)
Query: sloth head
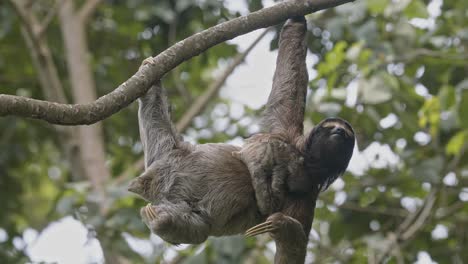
point(328, 149)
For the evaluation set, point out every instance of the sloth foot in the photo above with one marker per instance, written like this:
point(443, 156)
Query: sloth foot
point(262, 228)
point(155, 219)
point(281, 227)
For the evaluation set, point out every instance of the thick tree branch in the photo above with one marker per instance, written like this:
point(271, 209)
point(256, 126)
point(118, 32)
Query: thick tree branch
point(139, 83)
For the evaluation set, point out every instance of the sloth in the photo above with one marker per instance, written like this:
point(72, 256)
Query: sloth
point(196, 191)
point(283, 161)
point(278, 167)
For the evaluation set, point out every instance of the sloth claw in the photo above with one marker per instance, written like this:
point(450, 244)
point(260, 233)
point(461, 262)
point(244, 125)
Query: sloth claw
point(150, 212)
point(262, 228)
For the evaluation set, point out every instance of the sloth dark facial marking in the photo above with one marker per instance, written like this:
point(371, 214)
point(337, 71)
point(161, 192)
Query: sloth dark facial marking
point(328, 150)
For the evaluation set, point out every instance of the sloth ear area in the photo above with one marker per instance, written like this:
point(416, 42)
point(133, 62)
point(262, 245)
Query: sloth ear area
point(141, 184)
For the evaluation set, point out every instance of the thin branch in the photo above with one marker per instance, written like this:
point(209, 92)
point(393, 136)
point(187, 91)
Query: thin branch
point(414, 222)
point(175, 74)
point(48, 18)
point(198, 106)
point(137, 166)
point(405, 231)
point(139, 83)
point(88, 9)
point(40, 52)
point(418, 53)
point(450, 210)
point(422, 217)
point(21, 9)
point(372, 210)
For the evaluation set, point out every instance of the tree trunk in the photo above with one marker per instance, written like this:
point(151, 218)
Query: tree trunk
point(83, 89)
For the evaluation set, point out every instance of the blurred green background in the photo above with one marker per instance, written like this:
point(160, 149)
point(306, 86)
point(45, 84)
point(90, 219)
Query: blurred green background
point(397, 70)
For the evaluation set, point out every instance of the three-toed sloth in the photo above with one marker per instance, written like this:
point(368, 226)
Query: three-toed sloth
point(196, 191)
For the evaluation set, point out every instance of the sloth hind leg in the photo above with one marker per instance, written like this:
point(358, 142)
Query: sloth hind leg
point(176, 223)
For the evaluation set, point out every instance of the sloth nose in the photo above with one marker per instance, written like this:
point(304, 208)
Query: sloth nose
point(338, 130)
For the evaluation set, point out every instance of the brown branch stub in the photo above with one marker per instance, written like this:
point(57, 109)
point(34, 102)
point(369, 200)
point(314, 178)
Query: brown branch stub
point(139, 83)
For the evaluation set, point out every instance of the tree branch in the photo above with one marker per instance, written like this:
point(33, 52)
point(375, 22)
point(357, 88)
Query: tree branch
point(406, 230)
point(199, 105)
point(48, 18)
point(22, 10)
point(88, 9)
point(139, 83)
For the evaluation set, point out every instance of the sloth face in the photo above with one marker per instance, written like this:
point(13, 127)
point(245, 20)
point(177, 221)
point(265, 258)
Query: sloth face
point(336, 129)
point(328, 150)
point(331, 135)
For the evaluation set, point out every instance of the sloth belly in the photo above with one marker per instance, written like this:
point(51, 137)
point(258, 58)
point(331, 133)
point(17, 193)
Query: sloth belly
point(215, 185)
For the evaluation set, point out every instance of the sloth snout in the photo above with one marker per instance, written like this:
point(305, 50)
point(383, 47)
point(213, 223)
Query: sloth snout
point(338, 130)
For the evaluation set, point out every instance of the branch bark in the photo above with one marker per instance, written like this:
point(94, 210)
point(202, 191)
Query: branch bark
point(139, 83)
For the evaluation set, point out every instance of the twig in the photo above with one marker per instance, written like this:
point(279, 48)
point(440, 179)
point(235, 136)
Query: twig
point(139, 83)
point(373, 210)
point(450, 210)
point(422, 217)
point(405, 230)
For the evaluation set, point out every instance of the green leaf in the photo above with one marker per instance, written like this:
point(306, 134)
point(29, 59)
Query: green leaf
point(463, 107)
point(368, 197)
point(333, 59)
point(446, 97)
point(377, 7)
point(456, 143)
point(416, 8)
point(430, 115)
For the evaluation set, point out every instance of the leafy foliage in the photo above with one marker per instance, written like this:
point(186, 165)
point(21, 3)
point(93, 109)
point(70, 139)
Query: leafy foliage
point(397, 70)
